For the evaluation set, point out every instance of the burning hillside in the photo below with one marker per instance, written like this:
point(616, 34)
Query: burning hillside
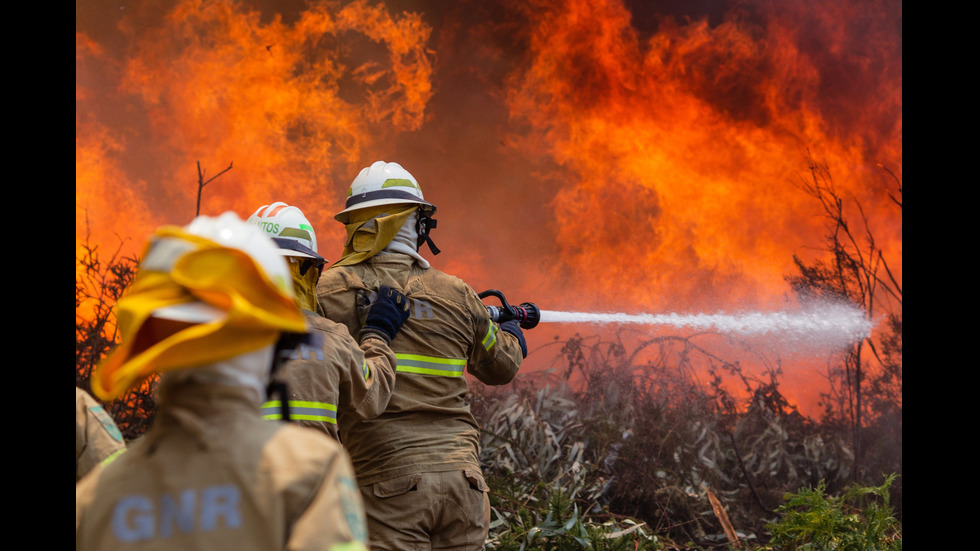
point(584, 154)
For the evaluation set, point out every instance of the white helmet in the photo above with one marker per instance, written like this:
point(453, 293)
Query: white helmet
point(227, 230)
point(383, 184)
point(289, 229)
point(231, 231)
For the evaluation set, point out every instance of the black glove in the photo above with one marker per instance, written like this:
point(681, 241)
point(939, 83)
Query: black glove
point(514, 328)
point(386, 315)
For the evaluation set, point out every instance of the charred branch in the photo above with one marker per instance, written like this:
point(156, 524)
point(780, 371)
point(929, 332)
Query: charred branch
point(201, 183)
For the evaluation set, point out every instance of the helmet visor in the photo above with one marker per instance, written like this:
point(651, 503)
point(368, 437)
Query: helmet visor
point(291, 247)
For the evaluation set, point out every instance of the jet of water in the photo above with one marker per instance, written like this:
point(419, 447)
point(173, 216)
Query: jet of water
point(825, 325)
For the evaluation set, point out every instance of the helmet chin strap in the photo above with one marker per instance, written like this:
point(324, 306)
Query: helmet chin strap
point(424, 225)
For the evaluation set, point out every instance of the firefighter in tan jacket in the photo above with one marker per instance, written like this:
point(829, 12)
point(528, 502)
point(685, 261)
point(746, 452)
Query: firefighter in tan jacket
point(97, 438)
point(208, 309)
point(340, 373)
point(417, 464)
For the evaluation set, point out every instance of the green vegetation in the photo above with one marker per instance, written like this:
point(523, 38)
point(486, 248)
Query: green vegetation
point(859, 520)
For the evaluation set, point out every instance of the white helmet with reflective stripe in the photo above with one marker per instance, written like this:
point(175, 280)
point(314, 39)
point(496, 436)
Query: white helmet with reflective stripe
point(289, 228)
point(383, 184)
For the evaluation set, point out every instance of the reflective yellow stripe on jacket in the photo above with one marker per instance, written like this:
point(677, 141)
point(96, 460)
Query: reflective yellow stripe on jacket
point(490, 338)
point(301, 410)
point(430, 365)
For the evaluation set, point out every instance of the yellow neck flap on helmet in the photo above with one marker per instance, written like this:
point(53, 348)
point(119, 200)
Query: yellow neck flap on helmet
point(248, 308)
point(371, 229)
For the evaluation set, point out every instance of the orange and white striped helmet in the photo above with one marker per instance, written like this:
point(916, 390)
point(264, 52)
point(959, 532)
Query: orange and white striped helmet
point(289, 228)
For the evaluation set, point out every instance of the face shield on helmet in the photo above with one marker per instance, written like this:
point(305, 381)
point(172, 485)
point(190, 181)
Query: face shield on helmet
point(389, 184)
point(209, 292)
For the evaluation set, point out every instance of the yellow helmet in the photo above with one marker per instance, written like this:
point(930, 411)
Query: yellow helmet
point(210, 291)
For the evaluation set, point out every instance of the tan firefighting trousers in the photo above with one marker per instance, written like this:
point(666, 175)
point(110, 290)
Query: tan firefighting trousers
point(447, 511)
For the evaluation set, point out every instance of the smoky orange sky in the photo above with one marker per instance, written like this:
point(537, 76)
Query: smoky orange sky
point(614, 155)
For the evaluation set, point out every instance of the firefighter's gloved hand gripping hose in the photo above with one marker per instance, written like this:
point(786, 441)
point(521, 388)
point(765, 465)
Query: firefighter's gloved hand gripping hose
point(513, 318)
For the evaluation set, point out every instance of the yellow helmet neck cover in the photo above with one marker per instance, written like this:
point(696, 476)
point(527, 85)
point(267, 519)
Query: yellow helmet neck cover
point(371, 229)
point(180, 268)
point(304, 283)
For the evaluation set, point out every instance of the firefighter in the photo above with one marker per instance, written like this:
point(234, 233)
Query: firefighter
point(210, 309)
point(417, 464)
point(356, 377)
point(97, 438)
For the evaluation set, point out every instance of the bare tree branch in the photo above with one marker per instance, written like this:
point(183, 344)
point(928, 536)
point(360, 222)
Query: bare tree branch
point(858, 271)
point(897, 181)
point(201, 183)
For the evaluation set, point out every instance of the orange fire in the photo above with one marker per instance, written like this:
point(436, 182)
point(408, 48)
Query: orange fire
point(681, 150)
point(581, 156)
point(287, 106)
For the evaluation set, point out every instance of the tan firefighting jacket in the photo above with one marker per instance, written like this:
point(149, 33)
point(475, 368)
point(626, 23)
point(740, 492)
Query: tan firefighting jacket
point(212, 474)
point(97, 437)
point(340, 374)
point(428, 425)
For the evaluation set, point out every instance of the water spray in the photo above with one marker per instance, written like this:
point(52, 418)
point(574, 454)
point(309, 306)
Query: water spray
point(825, 325)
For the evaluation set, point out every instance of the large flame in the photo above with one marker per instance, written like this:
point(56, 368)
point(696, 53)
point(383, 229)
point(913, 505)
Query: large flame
point(286, 106)
point(584, 154)
point(680, 151)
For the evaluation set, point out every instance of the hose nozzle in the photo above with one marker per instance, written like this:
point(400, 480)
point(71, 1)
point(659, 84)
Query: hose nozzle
point(527, 314)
